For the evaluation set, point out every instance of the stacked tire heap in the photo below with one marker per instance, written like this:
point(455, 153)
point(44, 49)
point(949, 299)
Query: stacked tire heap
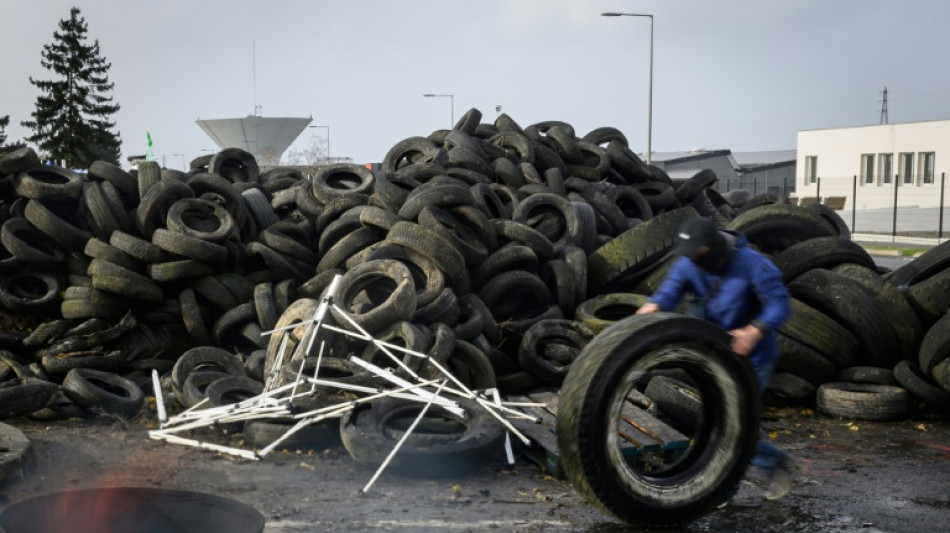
point(520, 244)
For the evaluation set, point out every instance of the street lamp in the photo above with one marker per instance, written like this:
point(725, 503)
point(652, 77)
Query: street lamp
point(328, 139)
point(650, 98)
point(183, 167)
point(451, 98)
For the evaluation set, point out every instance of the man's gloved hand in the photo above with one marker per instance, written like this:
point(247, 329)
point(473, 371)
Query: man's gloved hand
point(745, 339)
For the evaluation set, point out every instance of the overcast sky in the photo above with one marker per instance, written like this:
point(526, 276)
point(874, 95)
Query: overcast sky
point(739, 74)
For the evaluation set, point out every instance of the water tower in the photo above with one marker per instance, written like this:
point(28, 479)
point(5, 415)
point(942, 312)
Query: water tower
point(265, 137)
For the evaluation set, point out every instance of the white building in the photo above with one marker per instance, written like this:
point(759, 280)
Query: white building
point(869, 166)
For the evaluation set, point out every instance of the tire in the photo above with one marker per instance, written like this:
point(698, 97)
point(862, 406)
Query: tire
point(820, 252)
point(909, 376)
point(463, 238)
point(631, 202)
point(189, 246)
point(921, 268)
point(235, 165)
point(832, 217)
point(854, 308)
point(64, 232)
point(515, 290)
point(531, 355)
point(193, 318)
point(866, 374)
point(931, 297)
point(22, 396)
point(569, 230)
point(30, 292)
point(120, 179)
point(559, 277)
point(407, 151)
point(506, 258)
point(30, 246)
point(863, 401)
point(50, 183)
point(804, 362)
point(339, 179)
point(901, 315)
point(179, 270)
point(677, 401)
point(619, 264)
point(773, 228)
point(205, 358)
point(935, 347)
point(201, 219)
point(430, 244)
point(138, 248)
point(318, 436)
point(232, 389)
point(603, 311)
point(260, 209)
point(103, 390)
point(819, 331)
point(695, 184)
point(389, 293)
point(444, 444)
point(518, 232)
point(598, 384)
point(152, 211)
point(789, 389)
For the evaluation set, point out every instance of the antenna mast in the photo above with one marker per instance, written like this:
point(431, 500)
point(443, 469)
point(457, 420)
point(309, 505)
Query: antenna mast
point(884, 107)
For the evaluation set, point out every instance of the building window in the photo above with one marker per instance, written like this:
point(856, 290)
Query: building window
point(907, 168)
point(811, 169)
point(926, 166)
point(886, 167)
point(867, 169)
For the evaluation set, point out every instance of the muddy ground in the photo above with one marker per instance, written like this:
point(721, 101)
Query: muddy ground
point(853, 477)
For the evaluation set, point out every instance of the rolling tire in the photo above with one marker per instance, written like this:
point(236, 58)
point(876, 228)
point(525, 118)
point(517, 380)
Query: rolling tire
point(597, 386)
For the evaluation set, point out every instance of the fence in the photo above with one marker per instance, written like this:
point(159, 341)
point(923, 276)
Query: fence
point(902, 207)
point(784, 186)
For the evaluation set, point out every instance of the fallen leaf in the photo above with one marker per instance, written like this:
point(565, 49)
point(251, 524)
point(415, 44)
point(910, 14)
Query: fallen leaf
point(921, 427)
point(773, 435)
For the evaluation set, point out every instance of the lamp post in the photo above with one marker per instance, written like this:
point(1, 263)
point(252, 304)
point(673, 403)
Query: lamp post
point(328, 139)
point(183, 167)
point(451, 98)
point(650, 97)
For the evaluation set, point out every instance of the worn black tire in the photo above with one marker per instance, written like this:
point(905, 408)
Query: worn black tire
point(430, 244)
point(801, 360)
point(30, 246)
point(193, 318)
point(910, 376)
point(205, 358)
point(874, 375)
point(189, 246)
point(519, 232)
point(120, 179)
point(931, 297)
point(604, 310)
point(786, 389)
point(54, 226)
point(541, 206)
point(103, 390)
point(773, 228)
point(235, 165)
point(863, 401)
point(48, 183)
point(941, 374)
point(721, 448)
point(855, 309)
point(179, 270)
point(818, 330)
point(30, 292)
point(318, 436)
point(617, 265)
point(201, 219)
point(676, 401)
point(389, 294)
point(333, 181)
point(232, 389)
point(820, 252)
point(901, 315)
point(138, 248)
point(259, 208)
point(531, 354)
point(443, 445)
point(934, 260)
point(22, 396)
point(935, 347)
point(832, 217)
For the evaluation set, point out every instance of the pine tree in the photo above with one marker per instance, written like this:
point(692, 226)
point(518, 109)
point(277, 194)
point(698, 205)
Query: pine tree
point(72, 120)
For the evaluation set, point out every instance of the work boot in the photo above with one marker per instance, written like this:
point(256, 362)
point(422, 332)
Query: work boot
point(780, 482)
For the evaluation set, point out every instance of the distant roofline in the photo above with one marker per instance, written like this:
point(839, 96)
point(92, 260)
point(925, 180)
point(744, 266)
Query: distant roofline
point(879, 125)
point(691, 156)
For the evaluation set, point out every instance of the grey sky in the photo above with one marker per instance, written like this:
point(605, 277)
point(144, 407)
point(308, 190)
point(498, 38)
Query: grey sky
point(738, 74)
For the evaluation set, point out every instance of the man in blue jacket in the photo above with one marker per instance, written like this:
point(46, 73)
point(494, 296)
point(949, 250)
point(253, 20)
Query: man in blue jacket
point(741, 291)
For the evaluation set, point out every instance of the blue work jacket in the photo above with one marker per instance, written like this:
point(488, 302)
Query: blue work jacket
point(750, 291)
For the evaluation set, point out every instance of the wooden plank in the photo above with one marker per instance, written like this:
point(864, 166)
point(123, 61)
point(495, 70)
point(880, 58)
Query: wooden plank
point(652, 429)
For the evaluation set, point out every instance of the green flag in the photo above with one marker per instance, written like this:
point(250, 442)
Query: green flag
point(148, 146)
